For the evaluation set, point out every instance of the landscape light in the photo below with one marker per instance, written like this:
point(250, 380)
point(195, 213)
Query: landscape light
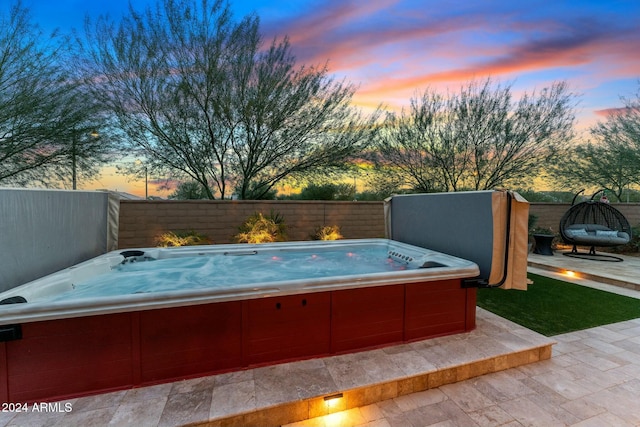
point(333, 399)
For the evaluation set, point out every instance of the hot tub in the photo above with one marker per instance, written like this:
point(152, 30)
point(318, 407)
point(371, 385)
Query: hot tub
point(144, 316)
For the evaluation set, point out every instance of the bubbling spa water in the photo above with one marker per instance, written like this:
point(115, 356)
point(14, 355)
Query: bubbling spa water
point(234, 269)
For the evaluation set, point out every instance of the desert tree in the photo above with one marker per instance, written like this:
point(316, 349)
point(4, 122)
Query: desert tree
point(189, 190)
point(327, 191)
point(88, 144)
point(44, 117)
point(480, 138)
point(287, 119)
point(205, 100)
point(607, 165)
point(28, 79)
point(417, 144)
point(159, 73)
point(611, 160)
point(622, 125)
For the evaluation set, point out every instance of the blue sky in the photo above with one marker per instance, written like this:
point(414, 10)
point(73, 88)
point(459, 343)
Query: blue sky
point(393, 49)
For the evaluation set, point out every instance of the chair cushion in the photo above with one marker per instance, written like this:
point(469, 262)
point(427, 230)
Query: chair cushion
point(588, 227)
point(595, 235)
point(606, 233)
point(616, 238)
point(577, 232)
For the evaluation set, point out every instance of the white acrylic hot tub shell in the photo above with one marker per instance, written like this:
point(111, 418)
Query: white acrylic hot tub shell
point(63, 280)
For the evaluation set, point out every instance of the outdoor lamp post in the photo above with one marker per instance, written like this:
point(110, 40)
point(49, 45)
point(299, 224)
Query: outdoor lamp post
point(146, 179)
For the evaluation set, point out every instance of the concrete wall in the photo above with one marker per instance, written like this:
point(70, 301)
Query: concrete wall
point(142, 221)
point(42, 231)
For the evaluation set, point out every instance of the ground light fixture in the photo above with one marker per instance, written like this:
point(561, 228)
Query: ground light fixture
point(335, 406)
point(333, 399)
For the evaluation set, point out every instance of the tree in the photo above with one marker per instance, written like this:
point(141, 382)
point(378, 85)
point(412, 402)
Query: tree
point(414, 145)
point(45, 119)
point(479, 138)
point(612, 160)
point(288, 120)
point(88, 143)
point(622, 126)
point(190, 190)
point(204, 100)
point(606, 165)
point(328, 191)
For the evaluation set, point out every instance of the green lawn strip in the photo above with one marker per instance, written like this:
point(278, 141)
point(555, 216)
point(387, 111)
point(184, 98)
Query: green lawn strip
point(553, 307)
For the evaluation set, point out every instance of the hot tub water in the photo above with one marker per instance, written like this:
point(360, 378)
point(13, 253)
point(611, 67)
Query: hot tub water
point(232, 270)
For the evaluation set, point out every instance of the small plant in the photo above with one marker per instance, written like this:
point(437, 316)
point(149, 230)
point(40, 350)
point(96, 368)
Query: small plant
point(327, 232)
point(184, 238)
point(542, 230)
point(262, 229)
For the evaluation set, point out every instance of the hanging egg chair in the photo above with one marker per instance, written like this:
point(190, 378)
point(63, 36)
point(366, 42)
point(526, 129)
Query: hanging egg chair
point(594, 223)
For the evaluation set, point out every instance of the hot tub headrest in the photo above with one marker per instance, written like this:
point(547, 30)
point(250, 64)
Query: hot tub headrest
point(432, 264)
point(132, 253)
point(135, 255)
point(13, 300)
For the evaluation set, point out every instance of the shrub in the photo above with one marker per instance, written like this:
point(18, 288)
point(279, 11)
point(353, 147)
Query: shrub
point(262, 229)
point(328, 192)
point(327, 232)
point(182, 238)
point(541, 230)
point(189, 190)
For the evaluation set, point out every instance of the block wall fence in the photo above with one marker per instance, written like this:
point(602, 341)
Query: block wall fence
point(141, 221)
point(219, 220)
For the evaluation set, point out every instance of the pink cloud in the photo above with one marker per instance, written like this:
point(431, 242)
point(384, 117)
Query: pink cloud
point(607, 112)
point(314, 26)
point(350, 34)
point(570, 52)
point(393, 49)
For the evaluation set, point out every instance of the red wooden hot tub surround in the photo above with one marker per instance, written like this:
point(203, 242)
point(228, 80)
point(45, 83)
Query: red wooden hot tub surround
point(79, 356)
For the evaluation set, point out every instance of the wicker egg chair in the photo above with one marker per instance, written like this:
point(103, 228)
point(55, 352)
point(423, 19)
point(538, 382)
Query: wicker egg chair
point(593, 223)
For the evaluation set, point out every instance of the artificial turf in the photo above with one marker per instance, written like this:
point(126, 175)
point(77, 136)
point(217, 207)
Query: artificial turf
point(553, 307)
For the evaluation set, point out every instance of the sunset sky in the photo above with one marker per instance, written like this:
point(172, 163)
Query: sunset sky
point(393, 49)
